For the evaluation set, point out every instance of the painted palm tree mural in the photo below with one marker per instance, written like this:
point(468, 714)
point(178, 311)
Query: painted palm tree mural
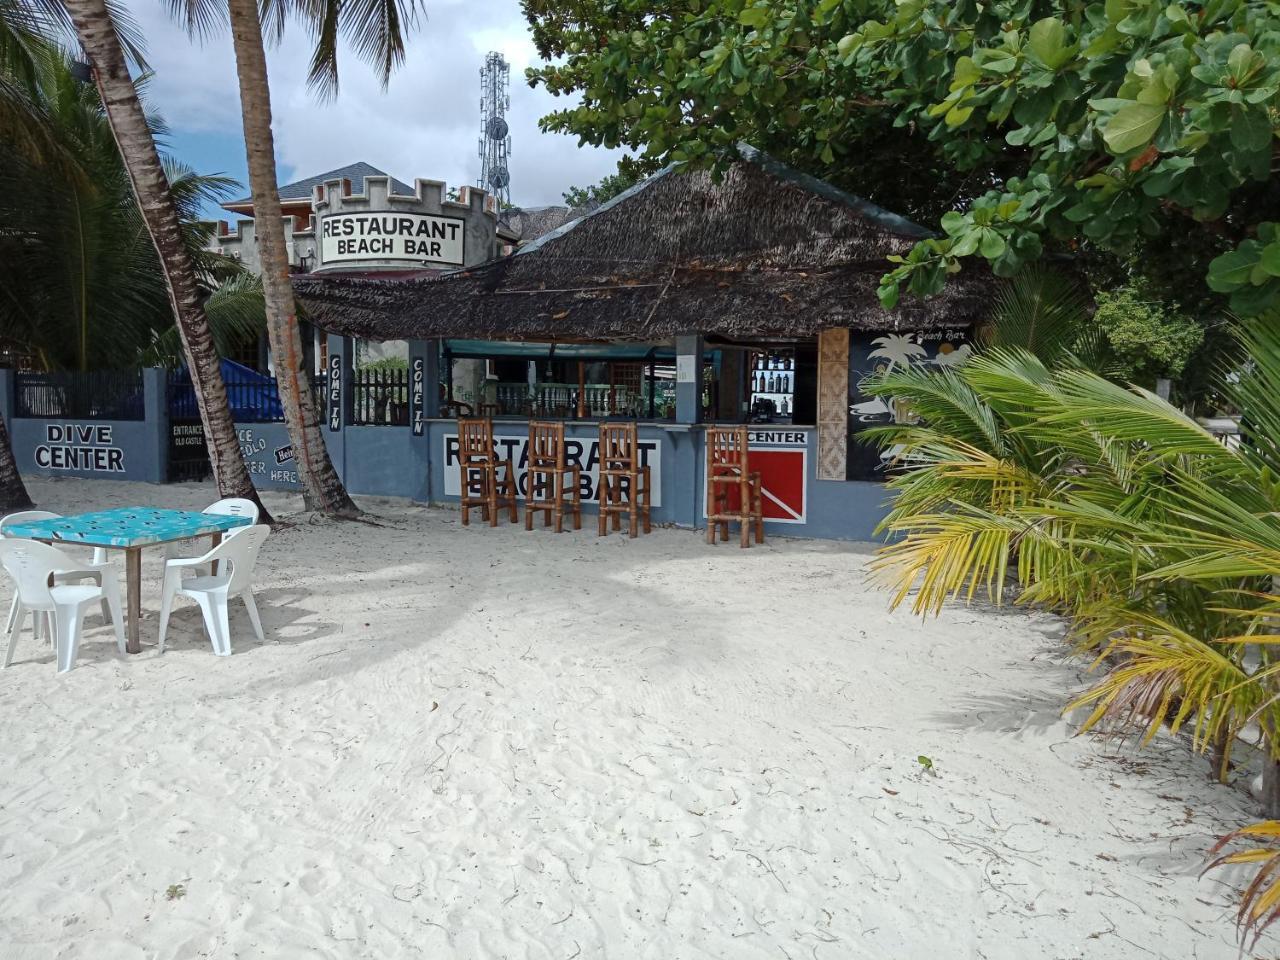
point(896, 350)
point(879, 356)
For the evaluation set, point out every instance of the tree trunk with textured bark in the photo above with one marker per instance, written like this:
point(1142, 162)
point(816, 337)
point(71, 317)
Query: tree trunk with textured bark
point(13, 492)
point(322, 488)
point(151, 188)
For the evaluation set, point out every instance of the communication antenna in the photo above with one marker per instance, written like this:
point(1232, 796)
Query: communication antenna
point(495, 135)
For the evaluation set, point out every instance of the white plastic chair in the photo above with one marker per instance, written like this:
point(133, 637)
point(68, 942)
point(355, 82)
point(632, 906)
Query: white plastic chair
point(226, 507)
point(96, 569)
point(32, 565)
point(235, 558)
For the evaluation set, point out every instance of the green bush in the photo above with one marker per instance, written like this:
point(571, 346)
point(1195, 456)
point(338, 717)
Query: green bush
point(1147, 338)
point(386, 363)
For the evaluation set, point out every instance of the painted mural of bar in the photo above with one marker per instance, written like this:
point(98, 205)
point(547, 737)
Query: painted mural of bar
point(688, 300)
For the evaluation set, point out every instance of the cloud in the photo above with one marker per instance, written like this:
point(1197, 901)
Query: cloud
point(426, 124)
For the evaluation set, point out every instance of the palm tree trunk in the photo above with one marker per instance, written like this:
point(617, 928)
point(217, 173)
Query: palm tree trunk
point(323, 489)
point(13, 492)
point(151, 187)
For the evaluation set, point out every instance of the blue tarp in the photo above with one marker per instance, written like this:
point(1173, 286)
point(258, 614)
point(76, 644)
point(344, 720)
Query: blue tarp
point(252, 396)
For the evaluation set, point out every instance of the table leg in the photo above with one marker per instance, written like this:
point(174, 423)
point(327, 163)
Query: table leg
point(133, 588)
point(215, 539)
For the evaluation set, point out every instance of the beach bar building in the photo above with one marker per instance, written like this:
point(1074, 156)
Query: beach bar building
point(743, 298)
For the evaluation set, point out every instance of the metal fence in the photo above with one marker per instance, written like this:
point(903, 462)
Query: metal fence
point(380, 397)
point(76, 395)
point(253, 397)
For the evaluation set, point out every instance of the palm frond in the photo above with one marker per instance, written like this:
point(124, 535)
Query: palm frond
point(1040, 311)
point(1260, 903)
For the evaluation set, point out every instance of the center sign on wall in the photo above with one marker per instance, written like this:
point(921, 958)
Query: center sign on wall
point(781, 457)
point(584, 453)
point(412, 237)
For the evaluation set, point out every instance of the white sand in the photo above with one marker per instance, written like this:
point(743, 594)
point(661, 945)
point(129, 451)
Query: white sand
point(491, 744)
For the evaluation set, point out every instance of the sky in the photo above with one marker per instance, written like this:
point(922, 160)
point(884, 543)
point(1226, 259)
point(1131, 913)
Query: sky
point(426, 124)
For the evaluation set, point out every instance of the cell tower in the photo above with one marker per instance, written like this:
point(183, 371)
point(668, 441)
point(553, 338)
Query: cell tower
point(495, 138)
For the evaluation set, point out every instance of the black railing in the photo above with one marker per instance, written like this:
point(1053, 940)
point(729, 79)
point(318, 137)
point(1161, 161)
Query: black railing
point(75, 395)
point(380, 397)
point(253, 397)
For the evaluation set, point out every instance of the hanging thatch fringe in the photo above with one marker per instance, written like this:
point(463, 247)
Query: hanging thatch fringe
point(763, 252)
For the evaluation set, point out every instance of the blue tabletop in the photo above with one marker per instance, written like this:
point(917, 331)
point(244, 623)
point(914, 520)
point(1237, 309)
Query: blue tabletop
point(126, 527)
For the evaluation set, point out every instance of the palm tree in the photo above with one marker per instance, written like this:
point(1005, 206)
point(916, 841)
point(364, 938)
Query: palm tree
point(102, 46)
point(376, 30)
point(1161, 545)
point(82, 283)
point(323, 489)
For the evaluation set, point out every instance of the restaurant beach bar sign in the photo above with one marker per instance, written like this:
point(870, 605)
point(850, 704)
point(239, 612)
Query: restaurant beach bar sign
point(584, 453)
point(411, 237)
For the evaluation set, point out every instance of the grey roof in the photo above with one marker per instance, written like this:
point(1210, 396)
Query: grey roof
point(355, 172)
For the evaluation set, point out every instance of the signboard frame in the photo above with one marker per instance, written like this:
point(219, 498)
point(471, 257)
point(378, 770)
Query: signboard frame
point(759, 441)
point(416, 238)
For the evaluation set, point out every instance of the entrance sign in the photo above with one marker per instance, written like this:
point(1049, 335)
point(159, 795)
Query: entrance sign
point(413, 237)
point(781, 457)
point(188, 452)
point(417, 395)
point(583, 452)
point(335, 393)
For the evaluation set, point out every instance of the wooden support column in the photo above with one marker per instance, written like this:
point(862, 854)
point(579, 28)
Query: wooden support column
point(833, 404)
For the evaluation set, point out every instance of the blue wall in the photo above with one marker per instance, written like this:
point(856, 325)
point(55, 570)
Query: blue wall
point(395, 461)
point(98, 449)
point(835, 509)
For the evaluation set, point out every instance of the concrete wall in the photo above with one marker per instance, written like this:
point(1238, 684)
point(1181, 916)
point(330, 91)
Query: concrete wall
point(837, 510)
point(413, 461)
point(475, 208)
point(98, 449)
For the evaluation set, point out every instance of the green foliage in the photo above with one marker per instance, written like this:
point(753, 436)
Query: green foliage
point(629, 173)
point(384, 363)
point(1146, 339)
point(1160, 544)
point(1015, 124)
point(81, 280)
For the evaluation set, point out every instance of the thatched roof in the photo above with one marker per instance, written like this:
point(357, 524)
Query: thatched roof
point(527, 224)
point(764, 252)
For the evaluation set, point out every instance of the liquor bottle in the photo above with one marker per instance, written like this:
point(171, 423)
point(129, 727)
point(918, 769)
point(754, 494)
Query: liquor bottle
point(785, 407)
point(773, 383)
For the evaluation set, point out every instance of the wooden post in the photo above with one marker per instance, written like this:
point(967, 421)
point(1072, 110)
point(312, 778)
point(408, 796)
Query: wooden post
point(582, 389)
point(133, 589)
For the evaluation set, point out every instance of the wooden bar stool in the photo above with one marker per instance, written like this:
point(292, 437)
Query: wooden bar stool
point(624, 483)
point(729, 470)
point(477, 457)
point(547, 468)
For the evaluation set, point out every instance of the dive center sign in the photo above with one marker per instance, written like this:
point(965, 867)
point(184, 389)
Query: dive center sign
point(90, 447)
point(415, 237)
